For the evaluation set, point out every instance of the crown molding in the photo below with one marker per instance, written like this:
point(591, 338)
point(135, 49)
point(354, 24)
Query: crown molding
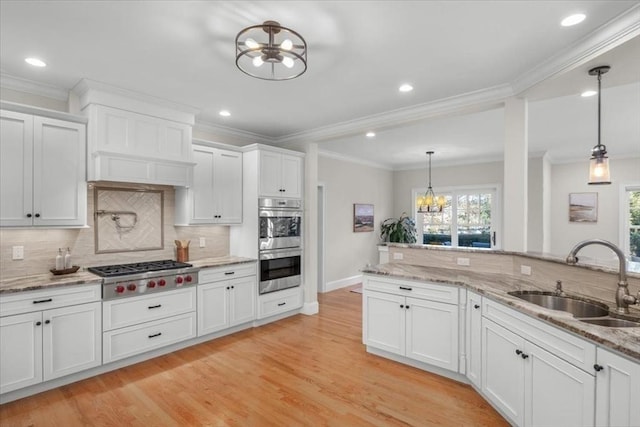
point(480, 99)
point(351, 159)
point(608, 36)
point(35, 88)
point(236, 135)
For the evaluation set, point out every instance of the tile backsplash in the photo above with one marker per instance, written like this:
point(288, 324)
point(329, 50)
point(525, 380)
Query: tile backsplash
point(41, 245)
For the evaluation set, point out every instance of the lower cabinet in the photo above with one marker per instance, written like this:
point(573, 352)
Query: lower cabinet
point(531, 386)
point(136, 325)
point(44, 345)
point(617, 390)
point(473, 339)
point(418, 328)
point(226, 297)
point(279, 302)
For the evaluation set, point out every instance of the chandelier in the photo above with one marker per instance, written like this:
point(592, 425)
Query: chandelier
point(599, 162)
point(271, 52)
point(429, 202)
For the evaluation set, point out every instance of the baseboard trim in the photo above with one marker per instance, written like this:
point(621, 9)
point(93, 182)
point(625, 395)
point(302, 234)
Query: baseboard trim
point(343, 283)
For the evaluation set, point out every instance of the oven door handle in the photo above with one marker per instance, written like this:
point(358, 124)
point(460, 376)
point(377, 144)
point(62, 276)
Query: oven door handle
point(280, 213)
point(274, 254)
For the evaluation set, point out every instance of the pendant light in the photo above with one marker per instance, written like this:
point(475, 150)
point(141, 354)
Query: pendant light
point(599, 162)
point(429, 202)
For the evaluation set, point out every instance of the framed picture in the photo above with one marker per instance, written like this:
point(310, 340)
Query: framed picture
point(362, 217)
point(583, 207)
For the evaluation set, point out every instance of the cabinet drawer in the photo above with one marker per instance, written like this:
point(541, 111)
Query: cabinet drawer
point(279, 302)
point(26, 302)
point(574, 350)
point(430, 291)
point(127, 342)
point(208, 275)
point(126, 312)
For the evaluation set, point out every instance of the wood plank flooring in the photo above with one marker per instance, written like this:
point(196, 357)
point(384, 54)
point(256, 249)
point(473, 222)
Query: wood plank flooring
point(301, 371)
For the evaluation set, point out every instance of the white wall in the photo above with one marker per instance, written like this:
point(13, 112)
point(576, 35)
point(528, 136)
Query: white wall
point(346, 183)
point(572, 178)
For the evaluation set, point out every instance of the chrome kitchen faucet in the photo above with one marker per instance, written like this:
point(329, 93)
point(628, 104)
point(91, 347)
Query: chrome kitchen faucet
point(623, 298)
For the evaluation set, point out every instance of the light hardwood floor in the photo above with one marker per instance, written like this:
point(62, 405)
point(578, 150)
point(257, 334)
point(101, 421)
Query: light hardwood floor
point(301, 371)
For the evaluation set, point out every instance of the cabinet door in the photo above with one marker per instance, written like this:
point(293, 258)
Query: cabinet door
point(16, 169)
point(59, 175)
point(432, 332)
point(291, 176)
point(383, 323)
point(556, 392)
point(242, 300)
point(617, 390)
point(473, 338)
point(227, 186)
point(503, 370)
point(20, 351)
point(72, 339)
point(213, 307)
point(202, 192)
point(270, 174)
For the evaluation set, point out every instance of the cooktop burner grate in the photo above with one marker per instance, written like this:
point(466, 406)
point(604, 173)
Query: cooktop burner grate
point(137, 267)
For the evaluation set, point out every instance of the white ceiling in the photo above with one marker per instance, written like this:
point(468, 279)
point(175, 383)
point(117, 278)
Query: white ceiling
point(456, 54)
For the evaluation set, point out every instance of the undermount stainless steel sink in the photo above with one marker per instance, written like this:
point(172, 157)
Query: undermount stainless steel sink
point(612, 322)
point(579, 308)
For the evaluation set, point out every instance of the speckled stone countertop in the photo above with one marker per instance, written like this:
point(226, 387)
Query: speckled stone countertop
point(497, 286)
point(84, 277)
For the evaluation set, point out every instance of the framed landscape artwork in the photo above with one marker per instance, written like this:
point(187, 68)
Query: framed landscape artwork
point(583, 207)
point(362, 217)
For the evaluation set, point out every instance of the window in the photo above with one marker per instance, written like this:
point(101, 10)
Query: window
point(631, 222)
point(469, 219)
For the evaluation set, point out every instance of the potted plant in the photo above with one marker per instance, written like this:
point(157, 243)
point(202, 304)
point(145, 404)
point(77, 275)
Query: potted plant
point(398, 230)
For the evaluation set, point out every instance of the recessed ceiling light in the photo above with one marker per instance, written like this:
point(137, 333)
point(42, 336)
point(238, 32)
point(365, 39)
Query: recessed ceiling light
point(573, 20)
point(224, 113)
point(405, 88)
point(588, 93)
point(35, 62)
point(371, 134)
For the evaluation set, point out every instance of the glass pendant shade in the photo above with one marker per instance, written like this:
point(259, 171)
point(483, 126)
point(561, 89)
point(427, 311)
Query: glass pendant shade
point(599, 162)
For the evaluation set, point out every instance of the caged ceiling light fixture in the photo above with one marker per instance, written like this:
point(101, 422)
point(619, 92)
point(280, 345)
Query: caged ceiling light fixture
point(429, 202)
point(271, 52)
point(599, 162)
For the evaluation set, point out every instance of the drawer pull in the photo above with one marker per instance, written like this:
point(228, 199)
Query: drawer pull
point(43, 300)
point(281, 304)
point(155, 335)
point(229, 273)
point(404, 288)
point(155, 306)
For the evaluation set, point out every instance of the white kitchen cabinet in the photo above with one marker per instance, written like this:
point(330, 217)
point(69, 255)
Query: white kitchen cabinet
point(45, 345)
point(42, 171)
point(280, 175)
point(473, 339)
point(530, 385)
point(617, 390)
point(215, 196)
point(226, 297)
point(414, 320)
point(279, 302)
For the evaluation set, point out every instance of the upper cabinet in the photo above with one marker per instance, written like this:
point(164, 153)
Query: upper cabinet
point(134, 139)
point(215, 197)
point(280, 175)
point(42, 171)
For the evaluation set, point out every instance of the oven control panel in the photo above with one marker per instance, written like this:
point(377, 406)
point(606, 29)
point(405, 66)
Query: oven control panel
point(141, 286)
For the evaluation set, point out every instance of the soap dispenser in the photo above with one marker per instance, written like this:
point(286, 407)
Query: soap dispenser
point(59, 260)
point(67, 259)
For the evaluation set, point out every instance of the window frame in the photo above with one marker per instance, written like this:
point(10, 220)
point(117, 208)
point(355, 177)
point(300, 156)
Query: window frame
point(624, 238)
point(455, 191)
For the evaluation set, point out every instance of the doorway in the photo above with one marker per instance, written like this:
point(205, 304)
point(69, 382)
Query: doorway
point(320, 237)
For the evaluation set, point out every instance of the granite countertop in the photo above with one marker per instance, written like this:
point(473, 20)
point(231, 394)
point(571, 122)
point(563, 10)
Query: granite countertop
point(497, 286)
point(83, 277)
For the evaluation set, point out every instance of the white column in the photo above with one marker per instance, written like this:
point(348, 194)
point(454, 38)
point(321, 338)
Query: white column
point(515, 175)
point(310, 229)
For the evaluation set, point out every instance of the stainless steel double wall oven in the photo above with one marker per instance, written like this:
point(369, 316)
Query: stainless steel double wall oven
point(280, 244)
